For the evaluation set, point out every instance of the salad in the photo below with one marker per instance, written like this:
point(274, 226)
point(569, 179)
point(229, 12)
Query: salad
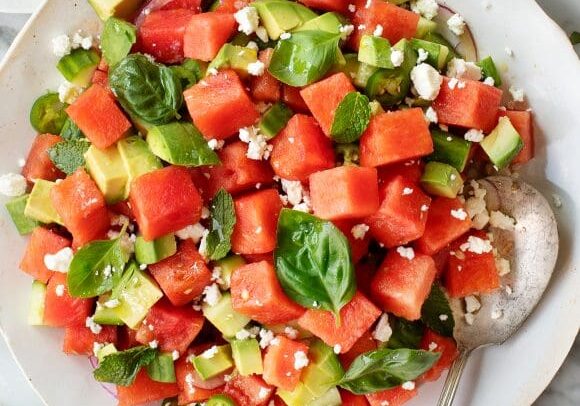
point(269, 202)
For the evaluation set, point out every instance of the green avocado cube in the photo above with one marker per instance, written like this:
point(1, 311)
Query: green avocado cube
point(328, 22)
point(105, 312)
point(324, 370)
point(437, 54)
point(441, 179)
point(23, 224)
point(227, 267)
point(151, 252)
point(115, 8)
point(106, 350)
point(235, 57)
point(79, 66)
point(213, 361)
point(36, 304)
point(39, 205)
point(107, 169)
point(224, 317)
point(300, 396)
point(503, 144)
point(247, 356)
point(162, 369)
point(137, 158)
point(375, 51)
point(279, 16)
point(450, 149)
point(330, 398)
point(275, 119)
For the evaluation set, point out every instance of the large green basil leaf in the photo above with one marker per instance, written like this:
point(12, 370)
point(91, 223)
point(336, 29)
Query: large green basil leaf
point(313, 262)
point(148, 90)
point(305, 57)
point(406, 334)
point(223, 220)
point(117, 40)
point(121, 368)
point(434, 307)
point(384, 369)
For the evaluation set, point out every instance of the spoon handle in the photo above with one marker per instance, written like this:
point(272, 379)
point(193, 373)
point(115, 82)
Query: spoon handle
point(452, 381)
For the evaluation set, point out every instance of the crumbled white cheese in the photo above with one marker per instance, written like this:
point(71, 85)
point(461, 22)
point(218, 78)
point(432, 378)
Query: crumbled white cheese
point(469, 318)
point(266, 337)
point(285, 35)
point(275, 341)
point(499, 220)
point(351, 8)
point(361, 27)
point(459, 214)
point(61, 45)
point(294, 190)
point(431, 115)
point(427, 8)
point(346, 30)
point(474, 135)
point(496, 314)
point(427, 81)
point(91, 325)
point(291, 332)
point(248, 20)
point(212, 294)
point(368, 3)
point(517, 94)
point(252, 45)
point(258, 147)
point(409, 385)
point(456, 24)
point(209, 353)
point(81, 41)
point(12, 185)
point(383, 329)
point(407, 191)
point(359, 231)
point(460, 69)
point(424, 208)
point(263, 393)
point(503, 266)
point(212, 71)
point(452, 84)
point(59, 261)
point(443, 317)
point(433, 346)
point(194, 232)
point(397, 58)
point(378, 31)
point(154, 344)
point(256, 68)
point(476, 245)
point(243, 334)
point(59, 290)
point(407, 253)
point(175, 355)
point(112, 303)
point(472, 304)
point(337, 348)
point(489, 81)
point(214, 144)
point(262, 34)
point(423, 56)
point(300, 360)
point(68, 93)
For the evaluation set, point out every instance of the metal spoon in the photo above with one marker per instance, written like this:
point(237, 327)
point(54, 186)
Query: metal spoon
point(532, 249)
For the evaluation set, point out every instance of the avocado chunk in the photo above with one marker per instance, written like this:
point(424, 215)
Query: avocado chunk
point(328, 22)
point(105, 313)
point(115, 8)
point(503, 144)
point(279, 16)
point(106, 350)
point(220, 400)
point(375, 51)
point(363, 74)
point(424, 27)
point(441, 180)
point(350, 66)
point(151, 252)
point(109, 173)
point(437, 54)
point(300, 396)
point(36, 304)
point(39, 205)
point(213, 361)
point(162, 368)
point(235, 57)
point(324, 370)
point(227, 267)
point(137, 158)
point(23, 224)
point(450, 149)
point(224, 317)
point(275, 119)
point(283, 328)
point(330, 398)
point(79, 66)
point(247, 356)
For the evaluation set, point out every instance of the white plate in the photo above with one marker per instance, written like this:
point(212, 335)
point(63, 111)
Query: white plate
point(544, 64)
point(19, 6)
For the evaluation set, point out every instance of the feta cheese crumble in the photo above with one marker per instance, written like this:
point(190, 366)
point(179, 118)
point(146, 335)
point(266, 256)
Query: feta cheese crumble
point(409, 385)
point(154, 344)
point(359, 231)
point(61, 46)
point(431, 115)
point(378, 31)
point(517, 94)
point(433, 346)
point(383, 329)
point(296, 195)
point(351, 8)
point(426, 8)
point(443, 317)
point(262, 34)
point(266, 337)
point(68, 93)
point(499, 220)
point(59, 290)
point(256, 68)
point(346, 30)
point(214, 144)
point(489, 81)
point(12, 185)
point(291, 332)
point(175, 355)
point(407, 253)
point(472, 304)
point(285, 35)
point(427, 81)
point(248, 20)
point(212, 294)
point(456, 24)
point(423, 56)
point(476, 245)
point(209, 353)
point(469, 318)
point(460, 69)
point(81, 41)
point(258, 147)
point(503, 266)
point(91, 325)
point(59, 261)
point(397, 58)
point(459, 214)
point(474, 135)
point(300, 360)
point(407, 191)
point(337, 348)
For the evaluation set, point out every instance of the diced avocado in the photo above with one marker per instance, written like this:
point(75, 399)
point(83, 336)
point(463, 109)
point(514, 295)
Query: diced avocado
point(330, 398)
point(214, 361)
point(503, 144)
point(363, 74)
point(350, 66)
point(324, 370)
point(151, 252)
point(137, 157)
point(39, 206)
point(106, 315)
point(328, 22)
point(36, 304)
point(220, 400)
point(224, 317)
point(441, 180)
point(227, 267)
point(282, 329)
point(376, 108)
point(489, 70)
point(275, 119)
point(115, 8)
point(247, 356)
point(78, 66)
point(108, 171)
point(162, 368)
point(450, 149)
point(279, 16)
point(234, 57)
point(437, 53)
point(425, 27)
point(375, 51)
point(106, 350)
point(137, 293)
point(440, 39)
point(300, 396)
point(15, 208)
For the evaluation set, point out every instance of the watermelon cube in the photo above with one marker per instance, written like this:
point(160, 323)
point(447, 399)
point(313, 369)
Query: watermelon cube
point(145, 390)
point(446, 346)
point(38, 163)
point(206, 33)
point(280, 360)
point(524, 125)
point(60, 308)
point(42, 242)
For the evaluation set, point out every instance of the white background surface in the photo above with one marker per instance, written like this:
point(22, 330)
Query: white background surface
point(15, 391)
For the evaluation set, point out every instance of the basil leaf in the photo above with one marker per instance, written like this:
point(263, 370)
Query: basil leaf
point(188, 73)
point(117, 40)
point(575, 38)
point(146, 89)
point(313, 262)
point(435, 306)
point(70, 131)
point(69, 155)
point(223, 220)
point(97, 268)
point(305, 57)
point(406, 334)
point(384, 368)
point(351, 118)
point(121, 368)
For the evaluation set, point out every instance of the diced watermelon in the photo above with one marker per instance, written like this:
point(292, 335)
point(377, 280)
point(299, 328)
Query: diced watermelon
point(356, 317)
point(322, 98)
point(82, 207)
point(165, 201)
point(183, 276)
point(126, 338)
point(268, 257)
point(231, 6)
point(524, 125)
point(394, 137)
point(144, 390)
point(64, 310)
point(257, 294)
point(350, 399)
point(161, 34)
point(441, 260)
point(291, 96)
point(340, 6)
point(442, 228)
point(174, 328)
point(184, 374)
point(474, 105)
point(256, 221)
point(365, 272)
point(301, 149)
point(345, 192)
point(42, 241)
point(397, 22)
point(402, 215)
point(80, 340)
point(392, 397)
point(96, 113)
point(444, 345)
point(122, 208)
point(364, 344)
point(154, 5)
point(206, 33)
point(468, 272)
point(220, 106)
point(265, 88)
point(402, 285)
point(411, 170)
point(101, 78)
point(279, 361)
point(249, 390)
point(359, 246)
point(38, 163)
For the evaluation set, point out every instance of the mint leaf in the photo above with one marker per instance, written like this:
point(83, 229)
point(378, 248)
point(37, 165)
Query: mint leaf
point(69, 155)
point(121, 368)
point(70, 131)
point(435, 306)
point(351, 118)
point(575, 38)
point(117, 40)
point(223, 220)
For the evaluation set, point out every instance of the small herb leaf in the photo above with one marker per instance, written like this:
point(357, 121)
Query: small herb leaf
point(189, 72)
point(384, 369)
point(435, 306)
point(406, 334)
point(223, 220)
point(117, 40)
point(351, 118)
point(69, 155)
point(121, 368)
point(70, 131)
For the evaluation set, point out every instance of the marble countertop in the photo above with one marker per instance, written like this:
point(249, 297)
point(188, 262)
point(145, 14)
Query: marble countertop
point(564, 389)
